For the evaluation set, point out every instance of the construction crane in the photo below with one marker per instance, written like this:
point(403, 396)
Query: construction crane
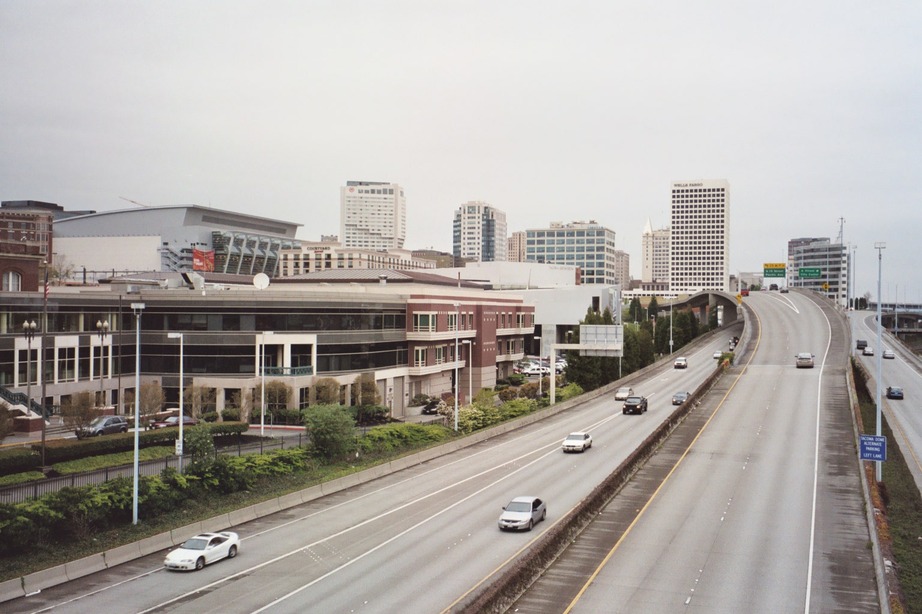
point(134, 202)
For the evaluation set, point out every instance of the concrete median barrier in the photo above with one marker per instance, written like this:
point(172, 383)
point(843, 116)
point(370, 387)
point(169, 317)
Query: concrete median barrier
point(11, 589)
point(216, 524)
point(241, 516)
point(183, 533)
point(266, 508)
point(45, 578)
point(122, 554)
point(85, 566)
point(155, 543)
point(339, 484)
point(290, 500)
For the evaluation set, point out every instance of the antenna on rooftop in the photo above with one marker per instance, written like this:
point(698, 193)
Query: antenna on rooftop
point(134, 202)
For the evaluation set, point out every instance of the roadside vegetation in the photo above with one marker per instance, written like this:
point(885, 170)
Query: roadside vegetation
point(901, 504)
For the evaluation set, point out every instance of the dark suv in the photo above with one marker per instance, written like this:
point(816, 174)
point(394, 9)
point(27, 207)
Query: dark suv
point(634, 405)
point(104, 425)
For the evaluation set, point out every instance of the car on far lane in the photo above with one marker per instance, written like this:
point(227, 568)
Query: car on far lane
point(623, 393)
point(634, 405)
point(718, 354)
point(203, 549)
point(895, 392)
point(867, 351)
point(888, 354)
point(577, 442)
point(680, 397)
point(680, 363)
point(173, 421)
point(804, 360)
point(522, 513)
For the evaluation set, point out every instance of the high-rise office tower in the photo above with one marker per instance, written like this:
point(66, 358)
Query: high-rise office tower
point(479, 232)
point(824, 266)
point(373, 215)
point(700, 236)
point(589, 246)
point(516, 250)
point(655, 248)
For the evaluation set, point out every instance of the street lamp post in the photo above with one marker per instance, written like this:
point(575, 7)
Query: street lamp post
point(138, 308)
point(671, 301)
point(540, 368)
point(28, 329)
point(102, 329)
point(470, 370)
point(457, 314)
point(879, 247)
point(182, 382)
point(262, 418)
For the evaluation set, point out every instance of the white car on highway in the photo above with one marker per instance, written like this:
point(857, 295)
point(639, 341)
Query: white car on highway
point(203, 549)
point(577, 442)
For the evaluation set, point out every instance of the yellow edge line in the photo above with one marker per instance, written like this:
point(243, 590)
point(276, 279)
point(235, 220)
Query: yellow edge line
point(611, 552)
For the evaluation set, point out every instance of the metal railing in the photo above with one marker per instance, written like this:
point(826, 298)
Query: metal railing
point(19, 493)
point(19, 398)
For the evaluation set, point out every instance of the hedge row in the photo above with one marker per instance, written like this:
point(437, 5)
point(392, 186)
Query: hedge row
point(18, 460)
point(80, 513)
point(59, 450)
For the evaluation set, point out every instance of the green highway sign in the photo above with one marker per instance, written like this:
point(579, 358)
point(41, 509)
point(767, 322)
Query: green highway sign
point(773, 272)
point(809, 273)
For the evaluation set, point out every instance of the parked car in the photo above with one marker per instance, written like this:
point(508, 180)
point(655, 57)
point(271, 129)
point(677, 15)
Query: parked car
point(103, 425)
point(203, 549)
point(522, 513)
point(634, 405)
point(173, 421)
point(895, 392)
point(804, 360)
point(867, 351)
point(888, 354)
point(680, 363)
point(680, 397)
point(432, 407)
point(623, 393)
point(559, 366)
point(577, 442)
point(534, 369)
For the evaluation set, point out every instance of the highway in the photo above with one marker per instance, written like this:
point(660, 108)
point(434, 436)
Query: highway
point(905, 371)
point(764, 511)
point(425, 536)
point(763, 514)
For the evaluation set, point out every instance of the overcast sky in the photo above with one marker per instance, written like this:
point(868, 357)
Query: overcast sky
point(549, 111)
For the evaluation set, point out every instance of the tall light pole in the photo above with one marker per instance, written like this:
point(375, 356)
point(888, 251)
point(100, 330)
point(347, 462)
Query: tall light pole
point(470, 370)
point(262, 417)
point(671, 301)
point(457, 314)
point(28, 329)
point(102, 329)
point(879, 247)
point(137, 308)
point(540, 368)
point(182, 382)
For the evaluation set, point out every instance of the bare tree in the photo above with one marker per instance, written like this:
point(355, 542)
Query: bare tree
point(198, 400)
point(151, 400)
point(327, 391)
point(80, 411)
point(365, 390)
point(6, 421)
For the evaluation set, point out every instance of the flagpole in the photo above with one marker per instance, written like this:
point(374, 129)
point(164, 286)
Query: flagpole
point(41, 361)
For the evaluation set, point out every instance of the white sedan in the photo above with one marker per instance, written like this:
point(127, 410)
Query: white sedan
point(577, 442)
point(198, 551)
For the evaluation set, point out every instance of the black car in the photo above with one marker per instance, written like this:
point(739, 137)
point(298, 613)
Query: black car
point(894, 392)
point(432, 407)
point(634, 405)
point(680, 397)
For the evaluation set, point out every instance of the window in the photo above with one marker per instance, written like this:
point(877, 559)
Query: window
point(12, 281)
point(453, 321)
point(424, 322)
point(419, 357)
point(439, 355)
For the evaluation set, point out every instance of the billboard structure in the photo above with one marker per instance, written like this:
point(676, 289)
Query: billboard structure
point(601, 340)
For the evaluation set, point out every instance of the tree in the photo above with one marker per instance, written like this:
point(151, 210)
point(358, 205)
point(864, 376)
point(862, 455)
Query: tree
point(652, 307)
point(326, 390)
point(151, 399)
point(60, 270)
point(198, 445)
point(635, 310)
point(198, 400)
point(79, 411)
point(278, 396)
point(331, 430)
point(365, 390)
point(6, 421)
